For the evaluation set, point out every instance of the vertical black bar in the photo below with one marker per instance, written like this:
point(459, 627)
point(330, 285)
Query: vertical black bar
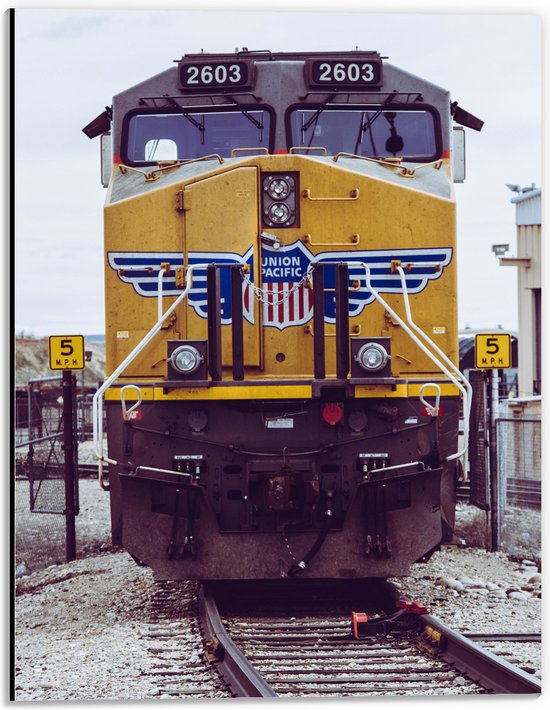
point(213, 296)
point(237, 321)
point(30, 469)
point(76, 437)
point(494, 478)
point(29, 410)
point(319, 322)
point(342, 321)
point(12, 367)
point(68, 448)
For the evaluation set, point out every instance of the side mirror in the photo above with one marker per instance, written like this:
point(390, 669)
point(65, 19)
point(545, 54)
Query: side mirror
point(459, 155)
point(106, 159)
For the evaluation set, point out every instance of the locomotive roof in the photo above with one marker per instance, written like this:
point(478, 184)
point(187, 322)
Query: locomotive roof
point(267, 55)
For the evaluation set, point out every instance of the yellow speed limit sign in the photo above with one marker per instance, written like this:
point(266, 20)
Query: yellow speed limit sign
point(67, 352)
point(493, 351)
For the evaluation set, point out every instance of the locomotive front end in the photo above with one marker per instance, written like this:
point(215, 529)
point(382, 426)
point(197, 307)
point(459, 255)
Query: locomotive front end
point(282, 395)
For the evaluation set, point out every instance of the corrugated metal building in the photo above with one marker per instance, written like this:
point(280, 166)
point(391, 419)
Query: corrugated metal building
point(528, 262)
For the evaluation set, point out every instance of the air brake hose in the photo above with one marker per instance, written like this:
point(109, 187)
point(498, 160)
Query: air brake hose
point(316, 545)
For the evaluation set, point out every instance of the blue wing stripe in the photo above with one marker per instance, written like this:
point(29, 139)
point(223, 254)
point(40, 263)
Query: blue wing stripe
point(360, 273)
point(405, 256)
point(140, 270)
point(394, 284)
point(152, 286)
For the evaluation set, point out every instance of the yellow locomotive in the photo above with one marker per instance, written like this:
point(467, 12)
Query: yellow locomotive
point(282, 395)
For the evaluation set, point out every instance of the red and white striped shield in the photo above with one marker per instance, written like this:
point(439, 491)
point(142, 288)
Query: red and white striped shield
point(286, 304)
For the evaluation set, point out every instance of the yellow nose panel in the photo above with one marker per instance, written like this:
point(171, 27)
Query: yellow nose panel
point(221, 220)
point(360, 212)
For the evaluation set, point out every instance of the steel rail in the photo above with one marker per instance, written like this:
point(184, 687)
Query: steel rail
point(242, 678)
point(516, 638)
point(482, 666)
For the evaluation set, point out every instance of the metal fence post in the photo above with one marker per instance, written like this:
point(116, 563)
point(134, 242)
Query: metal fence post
point(29, 410)
point(503, 434)
point(69, 382)
point(494, 473)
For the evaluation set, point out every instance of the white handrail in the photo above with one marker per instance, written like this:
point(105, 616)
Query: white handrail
point(466, 390)
point(97, 402)
point(415, 339)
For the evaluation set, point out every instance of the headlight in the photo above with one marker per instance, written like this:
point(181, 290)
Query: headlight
point(279, 213)
point(278, 188)
point(186, 359)
point(372, 357)
point(279, 202)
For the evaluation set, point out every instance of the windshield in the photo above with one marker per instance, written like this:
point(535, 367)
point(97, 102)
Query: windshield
point(183, 135)
point(370, 132)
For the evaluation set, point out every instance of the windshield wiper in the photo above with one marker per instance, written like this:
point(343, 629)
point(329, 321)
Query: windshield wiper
point(367, 126)
point(199, 125)
point(314, 118)
point(259, 124)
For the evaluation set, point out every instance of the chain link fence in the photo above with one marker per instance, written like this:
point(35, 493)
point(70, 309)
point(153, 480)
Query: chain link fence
point(40, 474)
point(519, 478)
point(504, 476)
point(478, 451)
point(39, 453)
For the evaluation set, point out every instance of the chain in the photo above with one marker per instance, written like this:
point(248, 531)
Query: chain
point(263, 295)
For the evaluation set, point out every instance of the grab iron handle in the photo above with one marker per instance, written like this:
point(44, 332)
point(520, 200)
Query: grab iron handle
point(353, 195)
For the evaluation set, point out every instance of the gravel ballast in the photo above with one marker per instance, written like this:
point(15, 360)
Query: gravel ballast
point(80, 626)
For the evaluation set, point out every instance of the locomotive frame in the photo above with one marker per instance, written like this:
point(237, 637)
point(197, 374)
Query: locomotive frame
point(295, 409)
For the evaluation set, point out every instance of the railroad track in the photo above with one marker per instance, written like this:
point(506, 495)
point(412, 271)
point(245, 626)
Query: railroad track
point(522, 492)
point(299, 645)
point(177, 667)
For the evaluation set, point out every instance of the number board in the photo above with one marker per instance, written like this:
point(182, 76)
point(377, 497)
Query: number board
point(67, 352)
point(215, 75)
point(493, 351)
point(348, 73)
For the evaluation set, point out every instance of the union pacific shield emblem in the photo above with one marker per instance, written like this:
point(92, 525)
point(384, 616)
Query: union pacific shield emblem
point(288, 300)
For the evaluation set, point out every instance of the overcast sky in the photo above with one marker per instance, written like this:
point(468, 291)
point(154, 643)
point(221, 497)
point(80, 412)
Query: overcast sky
point(70, 63)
